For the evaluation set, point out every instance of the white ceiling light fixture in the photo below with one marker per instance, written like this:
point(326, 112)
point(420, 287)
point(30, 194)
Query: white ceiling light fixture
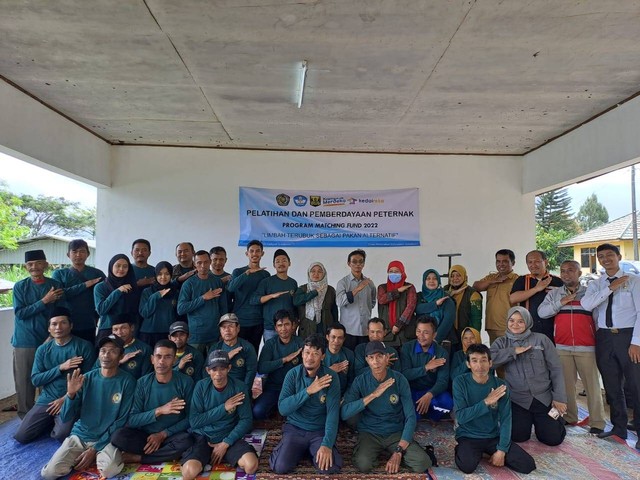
point(303, 79)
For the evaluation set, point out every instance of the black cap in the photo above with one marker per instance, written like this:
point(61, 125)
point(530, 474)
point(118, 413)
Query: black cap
point(218, 358)
point(374, 347)
point(60, 312)
point(33, 255)
point(178, 327)
point(113, 339)
point(121, 318)
point(279, 252)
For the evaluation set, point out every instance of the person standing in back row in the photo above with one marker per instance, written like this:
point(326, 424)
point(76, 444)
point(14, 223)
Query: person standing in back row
point(529, 290)
point(356, 297)
point(616, 299)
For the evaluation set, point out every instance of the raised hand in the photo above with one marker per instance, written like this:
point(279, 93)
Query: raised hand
point(172, 407)
point(434, 364)
point(74, 383)
point(233, 402)
point(319, 383)
point(291, 356)
point(70, 363)
point(494, 395)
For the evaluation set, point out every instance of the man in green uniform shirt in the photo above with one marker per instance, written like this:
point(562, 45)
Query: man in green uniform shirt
point(244, 361)
point(310, 399)
point(387, 421)
point(275, 293)
point(338, 357)
point(157, 428)
point(277, 357)
point(376, 332)
point(244, 282)
point(101, 401)
point(188, 359)
point(201, 300)
point(426, 365)
point(54, 359)
point(137, 354)
point(483, 414)
point(34, 299)
point(220, 416)
point(78, 281)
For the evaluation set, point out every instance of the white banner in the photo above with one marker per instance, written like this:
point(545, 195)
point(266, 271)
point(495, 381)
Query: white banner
point(355, 218)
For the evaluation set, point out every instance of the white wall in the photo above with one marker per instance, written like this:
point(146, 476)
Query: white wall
point(471, 205)
point(38, 135)
point(607, 143)
point(7, 387)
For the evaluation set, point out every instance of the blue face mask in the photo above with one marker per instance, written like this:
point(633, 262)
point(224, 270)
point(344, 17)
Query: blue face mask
point(395, 277)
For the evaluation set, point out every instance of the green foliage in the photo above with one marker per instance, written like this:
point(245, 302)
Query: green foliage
point(13, 273)
point(56, 216)
point(10, 219)
point(553, 211)
point(592, 214)
point(548, 240)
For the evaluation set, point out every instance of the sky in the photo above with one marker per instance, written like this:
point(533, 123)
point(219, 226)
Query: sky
point(613, 189)
point(22, 177)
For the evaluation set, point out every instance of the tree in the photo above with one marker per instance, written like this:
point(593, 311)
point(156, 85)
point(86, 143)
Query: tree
point(554, 224)
point(553, 211)
point(10, 217)
point(548, 240)
point(51, 215)
point(592, 214)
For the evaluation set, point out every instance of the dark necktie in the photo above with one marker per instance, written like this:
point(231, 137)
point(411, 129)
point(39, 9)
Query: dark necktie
point(609, 316)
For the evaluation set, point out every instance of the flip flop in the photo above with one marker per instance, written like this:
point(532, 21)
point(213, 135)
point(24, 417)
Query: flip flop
point(10, 408)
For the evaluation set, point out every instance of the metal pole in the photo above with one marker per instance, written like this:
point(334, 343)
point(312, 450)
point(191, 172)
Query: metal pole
point(634, 218)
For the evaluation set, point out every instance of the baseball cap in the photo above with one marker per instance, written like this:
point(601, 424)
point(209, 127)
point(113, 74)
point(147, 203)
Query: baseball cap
point(178, 327)
point(218, 358)
point(229, 317)
point(112, 339)
point(374, 347)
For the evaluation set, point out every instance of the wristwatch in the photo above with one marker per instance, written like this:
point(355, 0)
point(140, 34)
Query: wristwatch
point(400, 450)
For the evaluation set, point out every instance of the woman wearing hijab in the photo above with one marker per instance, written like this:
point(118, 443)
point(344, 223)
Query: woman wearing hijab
point(434, 302)
point(468, 303)
point(316, 302)
point(158, 306)
point(396, 306)
point(459, 366)
point(533, 373)
point(118, 294)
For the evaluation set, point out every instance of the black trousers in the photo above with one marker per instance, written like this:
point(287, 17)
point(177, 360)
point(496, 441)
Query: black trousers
point(253, 335)
point(133, 440)
point(612, 357)
point(469, 453)
point(352, 341)
point(548, 431)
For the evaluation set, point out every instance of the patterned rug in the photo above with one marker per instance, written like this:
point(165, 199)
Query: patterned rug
point(581, 456)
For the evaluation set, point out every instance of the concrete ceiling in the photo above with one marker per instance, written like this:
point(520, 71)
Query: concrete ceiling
point(433, 76)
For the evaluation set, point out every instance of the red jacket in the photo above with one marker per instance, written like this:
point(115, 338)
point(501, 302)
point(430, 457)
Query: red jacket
point(574, 326)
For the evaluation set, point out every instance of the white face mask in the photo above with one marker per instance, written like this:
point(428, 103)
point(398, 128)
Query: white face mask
point(394, 277)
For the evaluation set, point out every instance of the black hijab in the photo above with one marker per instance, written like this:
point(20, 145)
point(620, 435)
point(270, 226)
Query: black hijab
point(131, 299)
point(155, 287)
